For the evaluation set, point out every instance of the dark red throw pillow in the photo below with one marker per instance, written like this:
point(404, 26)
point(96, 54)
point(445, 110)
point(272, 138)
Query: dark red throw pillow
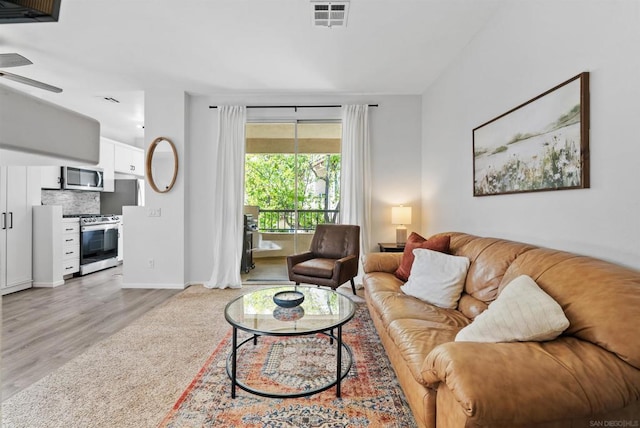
point(438, 243)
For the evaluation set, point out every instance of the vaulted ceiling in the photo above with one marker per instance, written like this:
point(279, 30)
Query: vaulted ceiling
point(119, 48)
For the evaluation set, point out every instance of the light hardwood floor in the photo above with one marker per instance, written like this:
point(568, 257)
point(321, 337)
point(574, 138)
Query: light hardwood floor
point(43, 328)
point(267, 269)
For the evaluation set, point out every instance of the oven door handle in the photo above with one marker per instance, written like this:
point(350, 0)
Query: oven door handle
point(94, 227)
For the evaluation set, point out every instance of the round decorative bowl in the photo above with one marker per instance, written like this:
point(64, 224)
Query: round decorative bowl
point(288, 299)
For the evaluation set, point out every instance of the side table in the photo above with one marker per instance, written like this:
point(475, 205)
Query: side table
point(390, 247)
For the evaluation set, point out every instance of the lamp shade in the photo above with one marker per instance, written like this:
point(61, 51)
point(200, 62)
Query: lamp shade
point(400, 215)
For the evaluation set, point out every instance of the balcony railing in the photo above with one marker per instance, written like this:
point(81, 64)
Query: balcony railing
point(285, 220)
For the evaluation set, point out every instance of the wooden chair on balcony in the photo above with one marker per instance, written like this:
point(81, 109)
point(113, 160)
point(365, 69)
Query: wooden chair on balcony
point(332, 258)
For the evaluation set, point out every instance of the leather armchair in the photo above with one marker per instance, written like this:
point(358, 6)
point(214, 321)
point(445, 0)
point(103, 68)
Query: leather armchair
point(332, 258)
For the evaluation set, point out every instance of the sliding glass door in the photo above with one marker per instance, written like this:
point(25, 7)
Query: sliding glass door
point(292, 182)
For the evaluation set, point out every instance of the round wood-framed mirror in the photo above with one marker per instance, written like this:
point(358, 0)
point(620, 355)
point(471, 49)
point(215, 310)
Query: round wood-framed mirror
point(162, 164)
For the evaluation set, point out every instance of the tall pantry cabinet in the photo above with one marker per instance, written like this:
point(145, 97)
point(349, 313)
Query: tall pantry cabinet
point(19, 191)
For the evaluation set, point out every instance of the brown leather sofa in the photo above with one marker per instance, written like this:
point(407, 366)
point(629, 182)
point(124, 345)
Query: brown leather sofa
point(589, 376)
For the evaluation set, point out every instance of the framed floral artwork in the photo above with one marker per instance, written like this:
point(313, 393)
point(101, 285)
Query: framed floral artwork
point(540, 145)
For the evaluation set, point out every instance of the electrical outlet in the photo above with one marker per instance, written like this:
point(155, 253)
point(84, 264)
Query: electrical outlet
point(151, 263)
point(154, 212)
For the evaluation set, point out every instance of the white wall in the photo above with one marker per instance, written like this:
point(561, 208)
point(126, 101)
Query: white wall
point(162, 239)
point(395, 141)
point(529, 48)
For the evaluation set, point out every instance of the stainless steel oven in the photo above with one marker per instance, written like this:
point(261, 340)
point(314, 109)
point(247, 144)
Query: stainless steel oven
point(98, 243)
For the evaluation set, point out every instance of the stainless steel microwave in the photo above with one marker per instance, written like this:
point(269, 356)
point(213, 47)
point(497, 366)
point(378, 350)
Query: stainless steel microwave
point(82, 178)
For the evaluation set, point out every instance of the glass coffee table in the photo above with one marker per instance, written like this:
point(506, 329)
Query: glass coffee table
point(322, 312)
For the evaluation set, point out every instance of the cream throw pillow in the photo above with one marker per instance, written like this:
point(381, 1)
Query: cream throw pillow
point(436, 278)
point(522, 312)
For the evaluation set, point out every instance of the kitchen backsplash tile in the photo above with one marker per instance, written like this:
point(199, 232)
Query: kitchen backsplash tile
point(73, 201)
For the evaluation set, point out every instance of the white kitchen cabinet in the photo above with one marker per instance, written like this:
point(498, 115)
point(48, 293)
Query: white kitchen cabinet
point(128, 160)
point(50, 177)
point(107, 164)
point(56, 246)
point(19, 191)
point(70, 245)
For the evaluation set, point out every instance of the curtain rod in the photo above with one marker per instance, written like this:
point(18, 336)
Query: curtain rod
point(297, 107)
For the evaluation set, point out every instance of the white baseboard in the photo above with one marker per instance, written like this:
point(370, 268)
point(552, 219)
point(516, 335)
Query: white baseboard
point(162, 286)
point(190, 283)
point(48, 284)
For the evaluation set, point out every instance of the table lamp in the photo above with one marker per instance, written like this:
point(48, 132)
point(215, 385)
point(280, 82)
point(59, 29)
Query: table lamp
point(401, 216)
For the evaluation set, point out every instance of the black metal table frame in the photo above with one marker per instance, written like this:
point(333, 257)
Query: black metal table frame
point(232, 361)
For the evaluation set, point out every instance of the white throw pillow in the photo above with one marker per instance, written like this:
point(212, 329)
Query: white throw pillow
point(436, 278)
point(522, 312)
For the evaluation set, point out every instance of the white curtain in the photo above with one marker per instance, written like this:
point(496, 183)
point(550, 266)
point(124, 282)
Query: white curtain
point(355, 173)
point(228, 196)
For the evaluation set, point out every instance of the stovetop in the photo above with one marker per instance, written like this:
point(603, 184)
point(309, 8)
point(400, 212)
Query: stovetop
point(87, 215)
point(94, 218)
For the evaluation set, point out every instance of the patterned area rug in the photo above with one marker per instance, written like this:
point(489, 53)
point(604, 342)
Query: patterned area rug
point(371, 395)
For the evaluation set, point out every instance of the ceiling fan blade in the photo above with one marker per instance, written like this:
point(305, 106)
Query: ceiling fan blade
point(13, 60)
point(30, 82)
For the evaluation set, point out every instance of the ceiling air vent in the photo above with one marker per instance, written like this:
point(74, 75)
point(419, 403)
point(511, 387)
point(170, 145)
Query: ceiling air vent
point(330, 13)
